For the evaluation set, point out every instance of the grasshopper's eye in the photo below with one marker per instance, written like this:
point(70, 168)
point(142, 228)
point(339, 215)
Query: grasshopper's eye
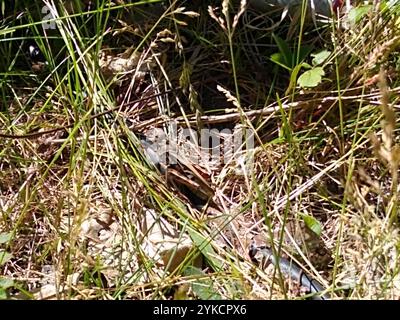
point(37, 60)
point(34, 52)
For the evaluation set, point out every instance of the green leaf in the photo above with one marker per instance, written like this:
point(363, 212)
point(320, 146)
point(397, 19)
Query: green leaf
point(279, 60)
point(357, 13)
point(3, 294)
point(313, 224)
point(306, 65)
point(4, 257)
point(293, 77)
point(5, 237)
point(6, 283)
point(320, 57)
point(284, 50)
point(206, 249)
point(202, 287)
point(311, 78)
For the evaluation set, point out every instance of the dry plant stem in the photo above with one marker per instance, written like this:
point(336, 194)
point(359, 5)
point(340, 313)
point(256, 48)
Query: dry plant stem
point(228, 117)
point(36, 135)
